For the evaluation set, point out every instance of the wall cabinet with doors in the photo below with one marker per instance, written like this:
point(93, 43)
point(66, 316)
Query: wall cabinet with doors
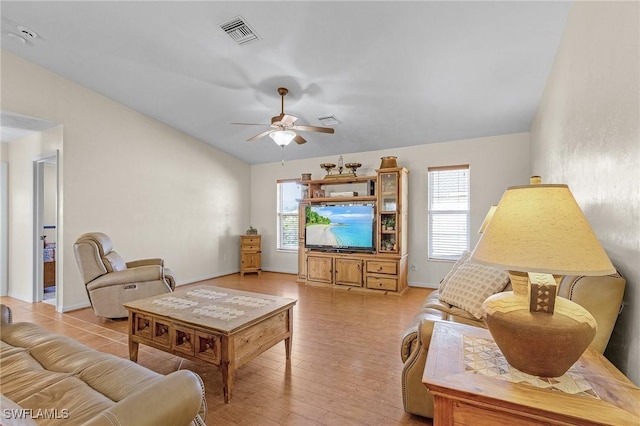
point(383, 269)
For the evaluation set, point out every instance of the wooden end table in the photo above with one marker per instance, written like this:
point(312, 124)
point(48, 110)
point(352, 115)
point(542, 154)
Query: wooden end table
point(221, 326)
point(473, 385)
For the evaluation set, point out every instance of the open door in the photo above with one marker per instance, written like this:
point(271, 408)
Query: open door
point(46, 226)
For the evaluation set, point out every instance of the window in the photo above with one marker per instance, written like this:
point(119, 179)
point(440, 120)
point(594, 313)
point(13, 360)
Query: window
point(289, 194)
point(448, 211)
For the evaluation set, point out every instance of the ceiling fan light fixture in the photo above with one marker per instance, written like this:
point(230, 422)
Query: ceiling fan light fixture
point(282, 137)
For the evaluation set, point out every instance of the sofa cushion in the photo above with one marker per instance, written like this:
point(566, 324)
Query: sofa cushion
point(461, 261)
point(12, 414)
point(471, 284)
point(58, 380)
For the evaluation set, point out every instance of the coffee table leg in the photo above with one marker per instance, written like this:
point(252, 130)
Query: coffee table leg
point(133, 346)
point(133, 351)
point(227, 366)
point(227, 380)
point(287, 341)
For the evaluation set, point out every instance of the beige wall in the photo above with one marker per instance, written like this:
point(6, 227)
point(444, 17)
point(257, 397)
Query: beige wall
point(587, 134)
point(156, 191)
point(21, 154)
point(4, 218)
point(495, 162)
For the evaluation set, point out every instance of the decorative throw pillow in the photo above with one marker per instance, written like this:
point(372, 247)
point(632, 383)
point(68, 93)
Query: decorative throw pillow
point(471, 284)
point(461, 261)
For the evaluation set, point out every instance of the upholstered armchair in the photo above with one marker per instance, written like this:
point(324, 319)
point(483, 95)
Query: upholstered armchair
point(110, 281)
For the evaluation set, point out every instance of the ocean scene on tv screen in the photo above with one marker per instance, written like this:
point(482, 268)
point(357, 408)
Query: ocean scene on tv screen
point(343, 226)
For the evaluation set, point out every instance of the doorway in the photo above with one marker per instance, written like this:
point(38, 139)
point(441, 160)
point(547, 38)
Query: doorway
point(45, 204)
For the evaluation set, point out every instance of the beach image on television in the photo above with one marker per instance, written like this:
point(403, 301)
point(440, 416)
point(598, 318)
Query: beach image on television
point(340, 226)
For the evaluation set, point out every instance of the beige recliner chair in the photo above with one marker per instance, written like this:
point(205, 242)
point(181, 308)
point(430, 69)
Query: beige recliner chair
point(110, 281)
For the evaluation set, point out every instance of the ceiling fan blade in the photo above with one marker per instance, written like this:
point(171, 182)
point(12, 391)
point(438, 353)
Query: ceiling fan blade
point(287, 120)
point(256, 137)
point(299, 140)
point(314, 129)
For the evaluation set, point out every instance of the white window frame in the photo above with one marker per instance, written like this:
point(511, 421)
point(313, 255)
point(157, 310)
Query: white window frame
point(448, 211)
point(281, 215)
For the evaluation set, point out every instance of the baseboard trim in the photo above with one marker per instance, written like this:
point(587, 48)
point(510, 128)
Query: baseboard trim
point(423, 285)
point(75, 307)
point(206, 277)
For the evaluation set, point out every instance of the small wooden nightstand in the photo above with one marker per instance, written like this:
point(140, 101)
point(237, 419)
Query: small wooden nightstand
point(473, 385)
point(250, 254)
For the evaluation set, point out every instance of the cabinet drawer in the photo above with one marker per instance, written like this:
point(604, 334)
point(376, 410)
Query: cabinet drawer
point(250, 241)
point(382, 283)
point(208, 347)
point(382, 267)
point(142, 325)
point(183, 340)
point(161, 333)
point(251, 248)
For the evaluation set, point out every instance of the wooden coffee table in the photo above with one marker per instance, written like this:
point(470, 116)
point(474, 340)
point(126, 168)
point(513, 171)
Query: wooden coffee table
point(221, 326)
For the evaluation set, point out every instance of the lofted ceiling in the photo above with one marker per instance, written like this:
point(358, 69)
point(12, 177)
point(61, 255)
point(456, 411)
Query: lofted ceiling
point(393, 73)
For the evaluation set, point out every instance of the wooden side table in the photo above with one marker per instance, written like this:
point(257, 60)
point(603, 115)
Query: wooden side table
point(473, 385)
point(250, 254)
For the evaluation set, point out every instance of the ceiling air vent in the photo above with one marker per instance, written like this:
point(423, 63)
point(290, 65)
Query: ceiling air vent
point(240, 31)
point(329, 120)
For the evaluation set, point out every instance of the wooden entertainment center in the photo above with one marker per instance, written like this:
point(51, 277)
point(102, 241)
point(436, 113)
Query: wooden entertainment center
point(384, 269)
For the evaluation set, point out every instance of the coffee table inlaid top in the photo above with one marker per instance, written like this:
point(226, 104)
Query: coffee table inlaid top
point(222, 309)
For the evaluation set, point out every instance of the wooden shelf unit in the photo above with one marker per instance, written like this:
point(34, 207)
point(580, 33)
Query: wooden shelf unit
point(383, 271)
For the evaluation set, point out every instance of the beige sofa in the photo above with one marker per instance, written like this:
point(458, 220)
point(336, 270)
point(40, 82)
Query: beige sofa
point(601, 296)
point(49, 379)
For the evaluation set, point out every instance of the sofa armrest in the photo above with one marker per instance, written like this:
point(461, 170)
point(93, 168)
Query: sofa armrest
point(145, 262)
point(600, 295)
point(127, 276)
point(415, 396)
point(5, 315)
point(431, 308)
point(412, 339)
point(177, 399)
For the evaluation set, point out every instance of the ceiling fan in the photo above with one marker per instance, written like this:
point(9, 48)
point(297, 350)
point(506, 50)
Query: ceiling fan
point(282, 128)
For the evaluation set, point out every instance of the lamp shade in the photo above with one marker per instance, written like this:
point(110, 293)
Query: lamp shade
point(540, 228)
point(487, 219)
point(282, 137)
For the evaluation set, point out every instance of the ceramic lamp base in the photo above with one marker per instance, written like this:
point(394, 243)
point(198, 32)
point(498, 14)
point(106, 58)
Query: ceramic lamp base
point(540, 344)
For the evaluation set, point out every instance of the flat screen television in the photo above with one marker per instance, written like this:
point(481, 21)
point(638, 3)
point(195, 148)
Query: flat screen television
point(340, 227)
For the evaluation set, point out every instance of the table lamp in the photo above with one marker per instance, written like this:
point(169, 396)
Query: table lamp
point(538, 230)
point(487, 218)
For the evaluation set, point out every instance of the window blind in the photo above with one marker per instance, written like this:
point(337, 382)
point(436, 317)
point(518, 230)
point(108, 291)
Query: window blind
point(448, 211)
point(288, 197)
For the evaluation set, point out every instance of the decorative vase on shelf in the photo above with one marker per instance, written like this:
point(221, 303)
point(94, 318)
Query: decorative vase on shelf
point(389, 162)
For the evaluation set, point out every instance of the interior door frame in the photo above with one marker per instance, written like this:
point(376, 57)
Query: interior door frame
point(38, 223)
point(4, 238)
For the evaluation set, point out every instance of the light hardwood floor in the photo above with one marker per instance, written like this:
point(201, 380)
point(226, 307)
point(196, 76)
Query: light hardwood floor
point(344, 370)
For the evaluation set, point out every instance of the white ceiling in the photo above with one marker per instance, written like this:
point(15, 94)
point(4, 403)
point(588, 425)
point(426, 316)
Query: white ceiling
point(394, 73)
